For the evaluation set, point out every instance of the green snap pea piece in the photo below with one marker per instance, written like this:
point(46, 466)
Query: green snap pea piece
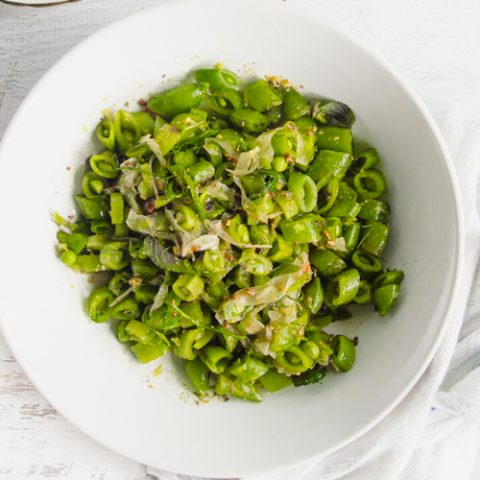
point(281, 249)
point(92, 184)
point(199, 375)
point(225, 102)
point(364, 294)
point(335, 139)
point(148, 353)
point(327, 195)
point(246, 390)
point(213, 261)
point(374, 210)
point(295, 105)
point(248, 368)
point(261, 96)
point(254, 263)
point(284, 144)
point(346, 192)
point(384, 298)
point(304, 230)
point(389, 277)
point(201, 172)
point(370, 183)
point(188, 287)
point(68, 257)
point(185, 158)
point(344, 353)
point(186, 218)
point(214, 152)
point(215, 358)
point(287, 203)
point(127, 309)
point(249, 120)
point(333, 228)
point(97, 242)
point(253, 184)
point(313, 295)
point(238, 230)
point(335, 113)
point(367, 159)
point(145, 294)
point(274, 115)
point(327, 262)
point(345, 209)
point(343, 288)
point(139, 332)
point(93, 208)
point(191, 341)
point(242, 278)
point(106, 133)
point(279, 163)
point(366, 262)
point(293, 360)
point(119, 283)
point(167, 137)
point(375, 238)
point(75, 242)
point(114, 255)
point(217, 78)
point(105, 164)
point(177, 100)
point(351, 235)
point(304, 191)
point(127, 130)
point(99, 305)
point(329, 165)
point(272, 381)
point(116, 208)
point(144, 269)
point(88, 264)
point(261, 235)
point(145, 122)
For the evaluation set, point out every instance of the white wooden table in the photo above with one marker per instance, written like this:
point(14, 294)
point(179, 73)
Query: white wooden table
point(434, 43)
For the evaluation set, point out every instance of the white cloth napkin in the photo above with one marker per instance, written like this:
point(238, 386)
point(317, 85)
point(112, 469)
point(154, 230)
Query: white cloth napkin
point(434, 434)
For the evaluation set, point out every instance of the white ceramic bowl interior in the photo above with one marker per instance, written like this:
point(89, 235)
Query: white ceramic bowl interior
point(80, 367)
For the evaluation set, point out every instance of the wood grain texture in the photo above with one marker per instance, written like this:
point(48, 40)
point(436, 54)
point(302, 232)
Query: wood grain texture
point(434, 43)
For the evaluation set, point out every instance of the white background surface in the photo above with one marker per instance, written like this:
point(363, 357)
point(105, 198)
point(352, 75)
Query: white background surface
point(434, 43)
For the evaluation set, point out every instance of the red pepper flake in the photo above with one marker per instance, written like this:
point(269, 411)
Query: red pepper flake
point(149, 206)
point(142, 102)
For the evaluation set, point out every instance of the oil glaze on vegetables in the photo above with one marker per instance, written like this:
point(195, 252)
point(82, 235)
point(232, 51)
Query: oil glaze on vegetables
point(235, 224)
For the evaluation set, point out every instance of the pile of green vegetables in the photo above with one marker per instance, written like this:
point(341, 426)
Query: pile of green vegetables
point(236, 224)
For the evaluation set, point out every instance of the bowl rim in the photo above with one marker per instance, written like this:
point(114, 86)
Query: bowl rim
point(459, 227)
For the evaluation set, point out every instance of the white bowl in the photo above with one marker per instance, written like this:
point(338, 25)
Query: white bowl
point(80, 367)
